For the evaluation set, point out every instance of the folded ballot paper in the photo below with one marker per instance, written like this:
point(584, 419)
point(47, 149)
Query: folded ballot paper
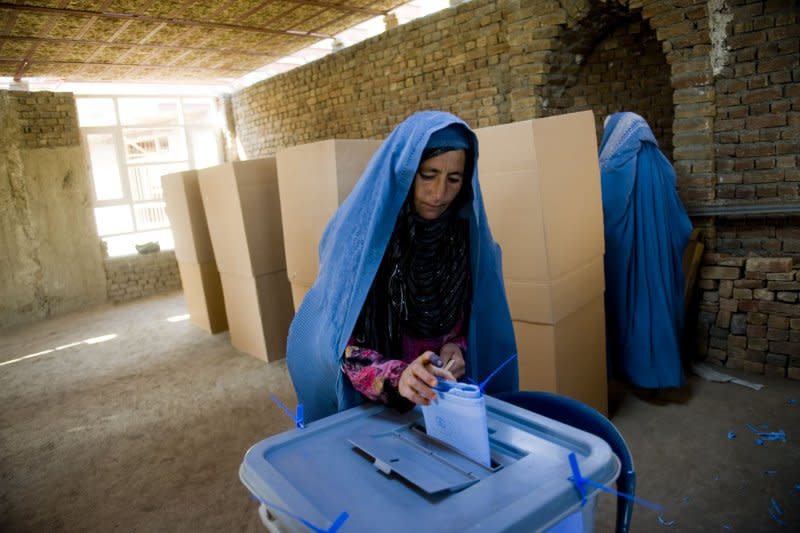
point(457, 417)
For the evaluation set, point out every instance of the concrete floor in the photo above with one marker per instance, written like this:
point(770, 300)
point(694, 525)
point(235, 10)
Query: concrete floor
point(145, 431)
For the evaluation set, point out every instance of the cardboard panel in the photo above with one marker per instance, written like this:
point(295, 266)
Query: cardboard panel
point(244, 216)
point(187, 217)
point(203, 293)
point(547, 303)
point(568, 357)
point(313, 181)
point(541, 184)
point(259, 313)
point(299, 291)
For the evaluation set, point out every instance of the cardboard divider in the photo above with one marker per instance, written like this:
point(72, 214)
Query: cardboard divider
point(259, 313)
point(187, 217)
point(244, 216)
point(314, 179)
point(202, 290)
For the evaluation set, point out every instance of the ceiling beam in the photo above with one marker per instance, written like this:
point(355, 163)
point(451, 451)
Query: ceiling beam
point(130, 65)
point(59, 40)
point(147, 18)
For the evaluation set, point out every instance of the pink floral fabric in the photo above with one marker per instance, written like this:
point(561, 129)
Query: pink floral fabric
point(377, 376)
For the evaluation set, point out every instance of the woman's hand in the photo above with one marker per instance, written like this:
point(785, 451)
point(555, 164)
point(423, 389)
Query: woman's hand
point(451, 352)
point(419, 377)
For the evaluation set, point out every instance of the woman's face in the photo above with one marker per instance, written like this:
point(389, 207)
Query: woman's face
point(438, 181)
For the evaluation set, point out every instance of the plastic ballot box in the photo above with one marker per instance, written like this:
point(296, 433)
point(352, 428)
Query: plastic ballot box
point(383, 470)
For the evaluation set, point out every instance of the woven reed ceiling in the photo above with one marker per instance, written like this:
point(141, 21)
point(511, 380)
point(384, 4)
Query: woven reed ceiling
point(166, 40)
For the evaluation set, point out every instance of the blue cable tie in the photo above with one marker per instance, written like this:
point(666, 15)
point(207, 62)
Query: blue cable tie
point(791, 401)
point(731, 435)
point(335, 526)
point(797, 487)
point(770, 472)
point(580, 483)
point(685, 499)
point(776, 507)
point(775, 517)
point(665, 523)
point(759, 442)
point(296, 418)
point(727, 527)
point(496, 370)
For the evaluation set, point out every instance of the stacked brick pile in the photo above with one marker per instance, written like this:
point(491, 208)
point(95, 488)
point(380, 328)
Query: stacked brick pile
point(749, 314)
point(47, 119)
point(135, 276)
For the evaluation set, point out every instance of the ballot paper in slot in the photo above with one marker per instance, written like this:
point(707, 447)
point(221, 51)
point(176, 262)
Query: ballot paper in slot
point(457, 417)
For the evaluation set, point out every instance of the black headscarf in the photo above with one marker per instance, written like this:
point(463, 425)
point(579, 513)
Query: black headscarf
point(423, 284)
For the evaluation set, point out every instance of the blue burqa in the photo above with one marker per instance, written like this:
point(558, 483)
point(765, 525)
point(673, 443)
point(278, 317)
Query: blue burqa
point(646, 232)
point(350, 252)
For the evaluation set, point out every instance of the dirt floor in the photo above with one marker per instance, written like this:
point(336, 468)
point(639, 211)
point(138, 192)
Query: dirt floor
point(145, 431)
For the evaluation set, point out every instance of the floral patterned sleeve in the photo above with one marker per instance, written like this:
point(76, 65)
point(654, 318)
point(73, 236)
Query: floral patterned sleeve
point(372, 375)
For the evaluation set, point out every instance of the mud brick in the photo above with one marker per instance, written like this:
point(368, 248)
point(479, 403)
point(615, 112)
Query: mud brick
point(777, 359)
point(707, 284)
point(716, 342)
point(786, 348)
point(719, 272)
point(790, 310)
point(777, 334)
point(737, 353)
point(793, 373)
point(751, 274)
point(748, 305)
point(724, 319)
point(752, 367)
point(728, 304)
point(776, 371)
point(778, 322)
point(748, 284)
point(769, 264)
point(757, 319)
point(757, 356)
point(743, 294)
point(794, 336)
point(704, 317)
point(709, 307)
point(737, 364)
point(737, 341)
point(726, 288)
point(716, 353)
point(794, 323)
point(781, 276)
point(763, 294)
point(711, 296)
point(739, 324)
point(783, 285)
point(718, 333)
point(757, 331)
point(756, 343)
point(788, 297)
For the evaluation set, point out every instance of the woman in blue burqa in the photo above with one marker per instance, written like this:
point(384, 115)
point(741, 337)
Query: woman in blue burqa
point(410, 286)
point(646, 232)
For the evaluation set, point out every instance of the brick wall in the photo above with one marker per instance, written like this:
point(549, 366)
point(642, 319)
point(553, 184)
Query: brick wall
point(135, 276)
point(749, 315)
point(757, 129)
point(47, 119)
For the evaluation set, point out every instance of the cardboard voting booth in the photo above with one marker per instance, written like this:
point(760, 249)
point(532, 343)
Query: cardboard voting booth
point(314, 179)
point(196, 263)
point(385, 471)
point(244, 221)
point(541, 186)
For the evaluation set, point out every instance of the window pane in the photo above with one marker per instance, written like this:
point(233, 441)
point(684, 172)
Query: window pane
point(150, 215)
point(154, 145)
point(126, 244)
point(96, 112)
point(198, 110)
point(114, 219)
point(146, 180)
point(148, 111)
point(204, 148)
point(105, 168)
